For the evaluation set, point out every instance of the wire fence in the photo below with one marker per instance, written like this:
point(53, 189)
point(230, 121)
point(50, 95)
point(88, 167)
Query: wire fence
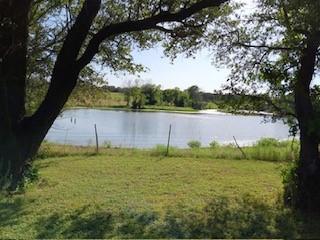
point(71, 131)
point(68, 133)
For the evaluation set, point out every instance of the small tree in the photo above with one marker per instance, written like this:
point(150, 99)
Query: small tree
point(138, 99)
point(152, 93)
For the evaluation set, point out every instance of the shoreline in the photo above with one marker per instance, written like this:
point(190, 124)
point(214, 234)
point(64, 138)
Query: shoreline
point(181, 111)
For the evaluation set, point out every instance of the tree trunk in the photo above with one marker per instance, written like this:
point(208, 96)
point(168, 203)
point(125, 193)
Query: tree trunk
point(308, 172)
point(20, 136)
point(13, 64)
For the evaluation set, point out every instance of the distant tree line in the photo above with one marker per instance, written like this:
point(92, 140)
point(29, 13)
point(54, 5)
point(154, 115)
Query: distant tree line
point(151, 94)
point(137, 96)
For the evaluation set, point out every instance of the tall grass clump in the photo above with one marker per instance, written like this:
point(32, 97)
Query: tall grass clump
point(161, 150)
point(269, 149)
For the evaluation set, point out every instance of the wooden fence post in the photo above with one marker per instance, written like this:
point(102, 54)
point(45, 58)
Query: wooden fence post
point(168, 144)
point(97, 140)
point(244, 155)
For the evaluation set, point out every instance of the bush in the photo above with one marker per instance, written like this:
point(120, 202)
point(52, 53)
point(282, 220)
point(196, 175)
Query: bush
point(214, 144)
point(31, 175)
point(289, 180)
point(268, 142)
point(107, 144)
point(211, 105)
point(194, 144)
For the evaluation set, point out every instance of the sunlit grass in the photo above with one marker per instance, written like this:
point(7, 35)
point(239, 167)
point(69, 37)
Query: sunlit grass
point(120, 179)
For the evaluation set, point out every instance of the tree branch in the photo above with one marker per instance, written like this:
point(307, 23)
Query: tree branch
point(65, 75)
point(279, 48)
point(139, 25)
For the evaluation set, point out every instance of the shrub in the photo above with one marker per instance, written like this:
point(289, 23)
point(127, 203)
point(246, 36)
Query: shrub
point(194, 144)
point(214, 144)
point(107, 144)
point(211, 105)
point(268, 142)
point(289, 180)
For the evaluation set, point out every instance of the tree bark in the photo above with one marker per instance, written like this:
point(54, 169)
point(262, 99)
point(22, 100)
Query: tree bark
point(13, 64)
point(308, 170)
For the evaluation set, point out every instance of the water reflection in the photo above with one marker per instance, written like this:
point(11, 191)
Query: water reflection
point(145, 129)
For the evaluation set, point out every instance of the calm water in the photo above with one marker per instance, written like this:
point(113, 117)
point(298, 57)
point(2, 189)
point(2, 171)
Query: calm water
point(143, 129)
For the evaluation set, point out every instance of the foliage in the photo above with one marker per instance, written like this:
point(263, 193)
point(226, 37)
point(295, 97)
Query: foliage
point(194, 144)
point(290, 181)
point(214, 144)
point(107, 144)
point(152, 94)
point(211, 105)
point(30, 176)
point(88, 95)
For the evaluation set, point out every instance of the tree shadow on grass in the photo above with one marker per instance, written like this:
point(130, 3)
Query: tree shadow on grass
point(11, 209)
point(78, 224)
point(220, 218)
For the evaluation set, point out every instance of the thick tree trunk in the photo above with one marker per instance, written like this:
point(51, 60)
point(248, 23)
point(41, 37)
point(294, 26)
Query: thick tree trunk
point(13, 52)
point(308, 172)
point(20, 136)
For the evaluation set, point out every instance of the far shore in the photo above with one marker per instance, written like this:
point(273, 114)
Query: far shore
point(181, 110)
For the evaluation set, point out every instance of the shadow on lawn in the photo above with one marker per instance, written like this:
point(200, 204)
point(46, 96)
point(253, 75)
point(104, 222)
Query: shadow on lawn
point(78, 224)
point(221, 218)
point(10, 210)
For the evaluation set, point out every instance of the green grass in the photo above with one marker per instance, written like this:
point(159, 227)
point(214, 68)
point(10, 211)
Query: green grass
point(98, 99)
point(131, 193)
point(168, 108)
point(275, 151)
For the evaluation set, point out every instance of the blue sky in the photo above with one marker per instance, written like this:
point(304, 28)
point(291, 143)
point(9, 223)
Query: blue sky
point(182, 73)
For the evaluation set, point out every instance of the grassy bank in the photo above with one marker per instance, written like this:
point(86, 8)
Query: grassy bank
point(265, 150)
point(130, 193)
point(114, 101)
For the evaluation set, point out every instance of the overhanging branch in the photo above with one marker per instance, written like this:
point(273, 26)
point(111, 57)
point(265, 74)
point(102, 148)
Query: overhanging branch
point(279, 48)
point(140, 25)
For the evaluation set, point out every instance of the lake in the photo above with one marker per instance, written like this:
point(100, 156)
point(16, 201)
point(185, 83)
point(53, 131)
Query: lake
point(147, 129)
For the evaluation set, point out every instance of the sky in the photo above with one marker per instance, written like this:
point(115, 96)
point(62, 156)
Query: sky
point(182, 72)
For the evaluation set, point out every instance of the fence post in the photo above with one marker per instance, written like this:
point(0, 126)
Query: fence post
point(97, 140)
point(235, 140)
point(168, 144)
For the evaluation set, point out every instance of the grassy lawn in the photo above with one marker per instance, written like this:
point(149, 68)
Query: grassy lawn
point(168, 108)
point(139, 193)
point(99, 99)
